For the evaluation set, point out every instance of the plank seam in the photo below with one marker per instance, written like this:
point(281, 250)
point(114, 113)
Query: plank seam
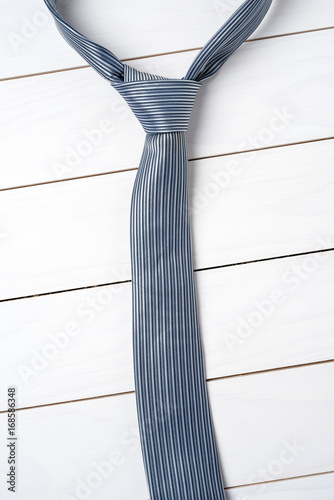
point(74, 68)
point(281, 479)
point(209, 380)
point(88, 287)
point(220, 155)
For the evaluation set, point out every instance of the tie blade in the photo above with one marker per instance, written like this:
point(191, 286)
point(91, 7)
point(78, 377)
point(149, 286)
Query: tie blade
point(176, 430)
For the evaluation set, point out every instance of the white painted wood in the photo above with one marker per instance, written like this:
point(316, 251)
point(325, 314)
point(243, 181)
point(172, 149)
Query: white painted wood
point(31, 43)
point(252, 317)
point(66, 235)
point(305, 488)
point(244, 207)
point(277, 424)
point(71, 124)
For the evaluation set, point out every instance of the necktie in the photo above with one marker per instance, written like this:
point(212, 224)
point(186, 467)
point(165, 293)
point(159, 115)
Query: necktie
point(175, 424)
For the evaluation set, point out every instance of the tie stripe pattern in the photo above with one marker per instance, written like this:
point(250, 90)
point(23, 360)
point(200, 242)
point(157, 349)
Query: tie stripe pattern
point(227, 39)
point(176, 431)
point(160, 104)
point(177, 438)
point(100, 58)
point(207, 62)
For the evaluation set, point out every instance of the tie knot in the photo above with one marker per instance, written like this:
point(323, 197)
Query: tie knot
point(160, 104)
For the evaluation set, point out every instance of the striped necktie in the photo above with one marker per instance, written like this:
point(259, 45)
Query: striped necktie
point(175, 424)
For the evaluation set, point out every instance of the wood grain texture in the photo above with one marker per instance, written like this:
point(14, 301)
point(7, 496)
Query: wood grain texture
point(31, 43)
point(253, 317)
point(71, 124)
point(276, 424)
point(74, 234)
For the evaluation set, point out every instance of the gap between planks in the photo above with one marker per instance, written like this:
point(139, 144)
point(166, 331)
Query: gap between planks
point(54, 181)
point(279, 480)
point(315, 474)
point(164, 54)
point(310, 252)
point(214, 379)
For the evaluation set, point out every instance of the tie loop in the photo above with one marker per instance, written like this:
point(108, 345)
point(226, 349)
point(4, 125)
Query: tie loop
point(208, 61)
point(160, 104)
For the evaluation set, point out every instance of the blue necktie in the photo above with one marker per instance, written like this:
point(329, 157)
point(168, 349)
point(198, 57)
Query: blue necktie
point(176, 431)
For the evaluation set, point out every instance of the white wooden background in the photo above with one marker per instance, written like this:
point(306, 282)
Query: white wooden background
point(261, 197)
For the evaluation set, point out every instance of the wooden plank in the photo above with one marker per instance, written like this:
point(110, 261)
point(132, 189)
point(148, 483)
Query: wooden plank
point(73, 234)
point(72, 124)
point(277, 424)
point(302, 488)
point(257, 316)
point(252, 317)
point(31, 43)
